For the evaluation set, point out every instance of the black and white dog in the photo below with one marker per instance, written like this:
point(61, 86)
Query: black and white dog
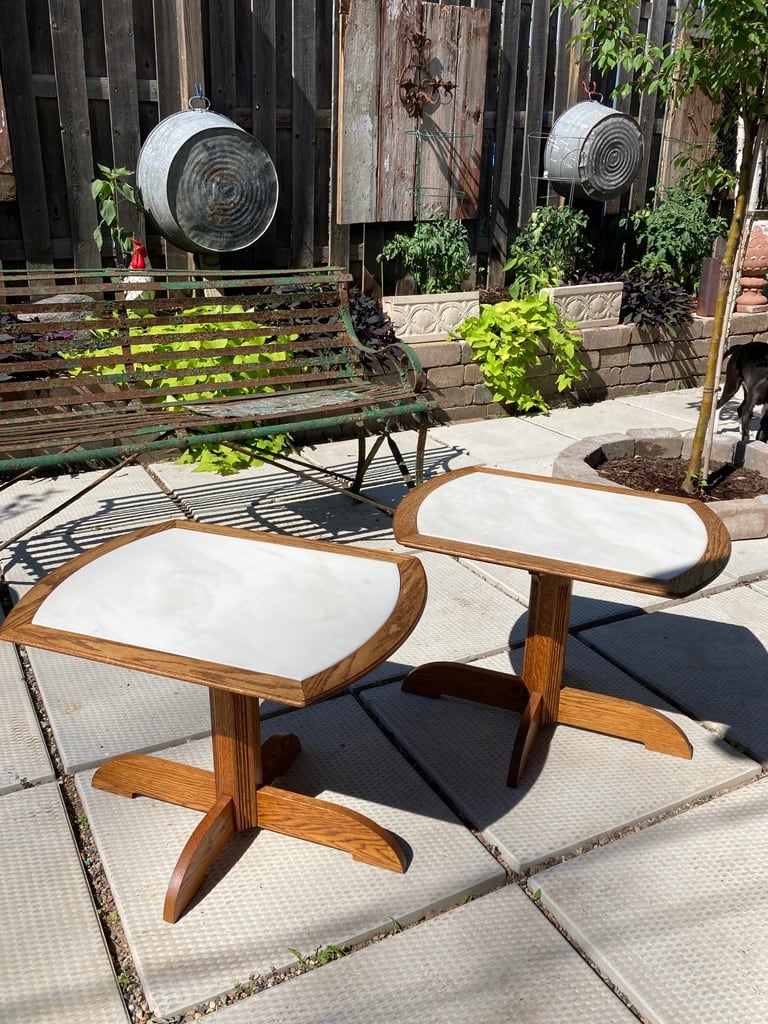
point(748, 368)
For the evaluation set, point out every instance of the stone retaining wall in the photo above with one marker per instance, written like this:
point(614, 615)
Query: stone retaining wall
point(620, 360)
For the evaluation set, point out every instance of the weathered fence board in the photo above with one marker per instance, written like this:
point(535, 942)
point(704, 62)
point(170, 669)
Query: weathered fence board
point(7, 179)
point(397, 143)
point(360, 47)
point(317, 81)
point(123, 92)
point(303, 134)
point(16, 63)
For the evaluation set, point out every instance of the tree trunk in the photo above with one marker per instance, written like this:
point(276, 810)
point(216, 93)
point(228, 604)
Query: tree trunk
point(693, 481)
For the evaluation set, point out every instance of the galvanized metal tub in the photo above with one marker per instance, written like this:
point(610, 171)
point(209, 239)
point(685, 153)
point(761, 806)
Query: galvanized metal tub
point(593, 151)
point(208, 185)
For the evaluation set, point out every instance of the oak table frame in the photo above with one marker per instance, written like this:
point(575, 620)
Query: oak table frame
point(531, 522)
point(83, 608)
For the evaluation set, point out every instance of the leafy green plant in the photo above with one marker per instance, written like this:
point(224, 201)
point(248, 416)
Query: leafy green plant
point(169, 338)
point(709, 176)
point(720, 47)
point(109, 192)
point(372, 325)
point(508, 338)
point(550, 250)
point(329, 953)
point(652, 299)
point(677, 234)
point(436, 254)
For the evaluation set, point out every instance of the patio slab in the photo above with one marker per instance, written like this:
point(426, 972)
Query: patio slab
point(23, 753)
point(266, 498)
point(495, 959)
point(515, 443)
point(274, 893)
point(578, 786)
point(709, 656)
point(128, 500)
point(610, 417)
point(464, 618)
point(675, 914)
point(54, 966)
point(680, 404)
point(97, 711)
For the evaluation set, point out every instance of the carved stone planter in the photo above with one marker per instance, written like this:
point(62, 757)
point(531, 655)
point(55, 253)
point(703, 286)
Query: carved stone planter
point(429, 317)
point(588, 305)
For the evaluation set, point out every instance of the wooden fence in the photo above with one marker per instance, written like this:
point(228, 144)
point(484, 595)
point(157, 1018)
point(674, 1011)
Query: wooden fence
point(84, 81)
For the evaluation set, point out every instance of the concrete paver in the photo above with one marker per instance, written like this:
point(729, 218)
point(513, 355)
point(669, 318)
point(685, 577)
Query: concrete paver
point(518, 968)
point(709, 656)
point(615, 416)
point(97, 711)
point(676, 913)
point(672, 914)
point(23, 754)
point(578, 786)
point(128, 500)
point(54, 966)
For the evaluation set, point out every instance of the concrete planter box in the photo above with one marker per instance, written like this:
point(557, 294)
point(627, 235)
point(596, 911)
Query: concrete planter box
point(429, 317)
point(588, 305)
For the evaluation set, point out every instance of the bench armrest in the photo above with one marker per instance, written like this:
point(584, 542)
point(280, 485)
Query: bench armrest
point(397, 357)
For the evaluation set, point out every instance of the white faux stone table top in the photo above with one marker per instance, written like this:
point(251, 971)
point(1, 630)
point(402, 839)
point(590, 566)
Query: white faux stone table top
point(253, 612)
point(607, 535)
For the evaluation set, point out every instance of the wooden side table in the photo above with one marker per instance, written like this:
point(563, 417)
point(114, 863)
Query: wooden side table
point(560, 532)
point(251, 616)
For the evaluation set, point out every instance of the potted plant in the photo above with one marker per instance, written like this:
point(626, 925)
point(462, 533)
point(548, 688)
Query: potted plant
point(549, 255)
point(436, 255)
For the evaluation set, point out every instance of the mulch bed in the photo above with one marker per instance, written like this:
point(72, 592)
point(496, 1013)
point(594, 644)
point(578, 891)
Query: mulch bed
point(666, 476)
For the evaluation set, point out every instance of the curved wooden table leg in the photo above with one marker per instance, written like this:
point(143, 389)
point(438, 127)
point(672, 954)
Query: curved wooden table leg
point(468, 682)
point(320, 821)
point(200, 851)
point(623, 718)
point(278, 753)
point(143, 775)
point(530, 722)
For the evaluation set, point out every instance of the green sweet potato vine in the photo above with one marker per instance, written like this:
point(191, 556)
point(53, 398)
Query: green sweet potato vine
point(252, 367)
point(507, 338)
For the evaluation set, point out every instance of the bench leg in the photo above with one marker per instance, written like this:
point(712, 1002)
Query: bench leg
point(364, 460)
point(421, 447)
point(417, 478)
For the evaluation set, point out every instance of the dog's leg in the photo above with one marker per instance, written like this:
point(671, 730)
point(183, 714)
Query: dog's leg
point(745, 412)
point(732, 381)
point(762, 430)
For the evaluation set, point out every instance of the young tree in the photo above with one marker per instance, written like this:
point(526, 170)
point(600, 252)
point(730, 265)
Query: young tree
point(721, 48)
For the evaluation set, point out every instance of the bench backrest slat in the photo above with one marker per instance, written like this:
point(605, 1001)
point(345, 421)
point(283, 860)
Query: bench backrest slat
point(165, 341)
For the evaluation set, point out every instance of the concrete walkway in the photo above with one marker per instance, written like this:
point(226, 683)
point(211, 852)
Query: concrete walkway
point(614, 884)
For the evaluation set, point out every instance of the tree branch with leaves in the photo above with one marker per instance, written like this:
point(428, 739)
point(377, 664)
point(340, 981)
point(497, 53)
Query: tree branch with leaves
point(720, 49)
